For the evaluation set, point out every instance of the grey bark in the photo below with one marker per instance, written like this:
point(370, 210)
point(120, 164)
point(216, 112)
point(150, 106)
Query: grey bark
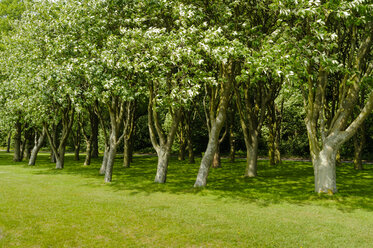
point(215, 120)
point(104, 159)
point(251, 154)
point(37, 145)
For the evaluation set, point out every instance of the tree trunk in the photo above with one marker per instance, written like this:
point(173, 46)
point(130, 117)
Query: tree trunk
point(181, 155)
point(77, 153)
point(126, 153)
point(104, 160)
point(55, 130)
point(17, 143)
point(9, 140)
point(88, 155)
point(215, 120)
point(325, 170)
point(271, 143)
point(207, 158)
point(216, 162)
point(94, 127)
point(38, 144)
point(252, 154)
point(163, 158)
point(232, 146)
point(277, 149)
point(110, 163)
point(60, 159)
point(182, 141)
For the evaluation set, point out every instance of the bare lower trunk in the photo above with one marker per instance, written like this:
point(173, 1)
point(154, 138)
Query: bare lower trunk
point(60, 159)
point(77, 153)
point(8, 144)
point(94, 126)
point(17, 143)
point(216, 162)
point(110, 163)
point(252, 154)
point(104, 160)
point(163, 158)
point(207, 158)
point(325, 170)
point(359, 143)
point(126, 153)
point(181, 155)
point(232, 148)
point(88, 155)
point(277, 150)
point(34, 153)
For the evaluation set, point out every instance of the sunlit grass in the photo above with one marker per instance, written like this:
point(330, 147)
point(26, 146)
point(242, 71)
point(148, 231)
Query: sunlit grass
point(44, 207)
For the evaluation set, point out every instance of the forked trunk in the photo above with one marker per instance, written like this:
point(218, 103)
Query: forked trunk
point(163, 158)
point(104, 160)
point(60, 159)
point(38, 143)
point(324, 165)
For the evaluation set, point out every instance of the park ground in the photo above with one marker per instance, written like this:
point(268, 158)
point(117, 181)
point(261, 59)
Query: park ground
point(44, 207)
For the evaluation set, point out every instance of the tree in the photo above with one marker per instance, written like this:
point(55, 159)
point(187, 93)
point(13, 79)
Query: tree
point(332, 46)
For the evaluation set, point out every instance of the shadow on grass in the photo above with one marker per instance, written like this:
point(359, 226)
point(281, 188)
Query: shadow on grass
point(291, 182)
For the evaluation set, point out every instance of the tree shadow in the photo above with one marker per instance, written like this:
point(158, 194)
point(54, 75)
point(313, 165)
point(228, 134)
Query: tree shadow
point(290, 182)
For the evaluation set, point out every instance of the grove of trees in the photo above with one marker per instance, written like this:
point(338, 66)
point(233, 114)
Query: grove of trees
point(211, 76)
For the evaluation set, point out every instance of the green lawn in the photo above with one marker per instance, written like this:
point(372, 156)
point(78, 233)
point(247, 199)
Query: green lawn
point(44, 207)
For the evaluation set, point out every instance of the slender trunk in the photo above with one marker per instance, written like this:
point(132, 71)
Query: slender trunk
point(55, 131)
point(9, 140)
point(359, 143)
point(104, 159)
point(189, 140)
point(163, 158)
point(325, 170)
point(207, 158)
point(216, 162)
point(88, 155)
point(77, 153)
point(182, 144)
point(94, 126)
point(38, 144)
point(126, 153)
point(252, 155)
point(17, 143)
point(181, 155)
point(232, 146)
point(271, 143)
point(110, 162)
point(23, 148)
point(277, 149)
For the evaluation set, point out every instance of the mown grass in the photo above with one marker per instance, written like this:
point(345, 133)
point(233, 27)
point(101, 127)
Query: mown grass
point(44, 207)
